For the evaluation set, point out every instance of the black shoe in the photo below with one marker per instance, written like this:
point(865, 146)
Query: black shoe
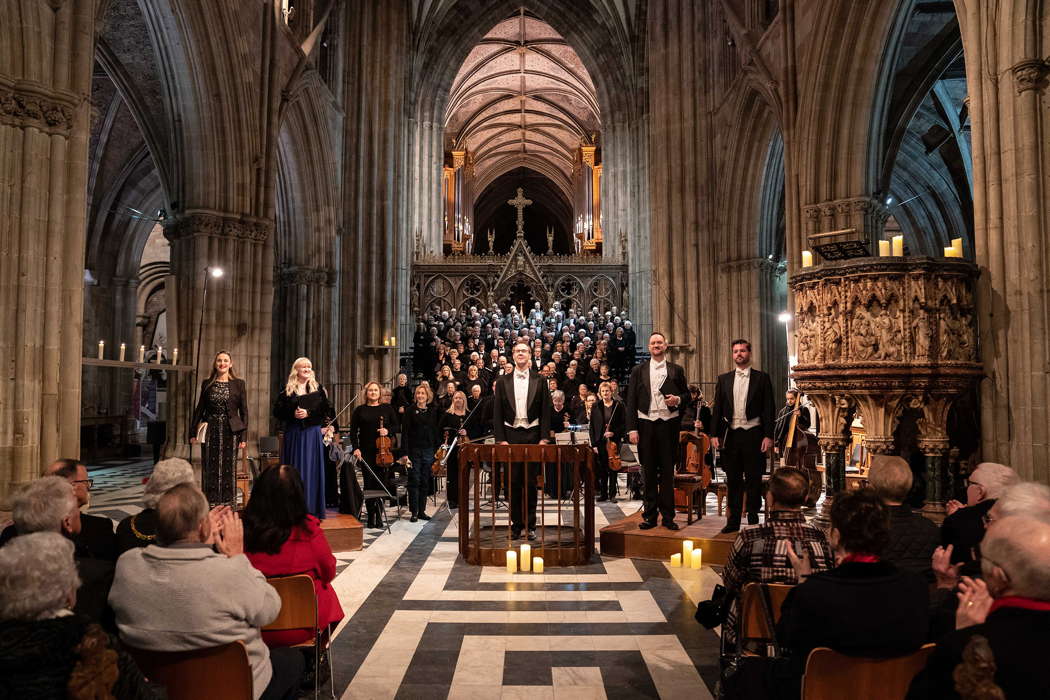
point(646, 525)
point(424, 516)
point(671, 525)
point(532, 535)
point(752, 518)
point(515, 534)
point(413, 519)
point(729, 528)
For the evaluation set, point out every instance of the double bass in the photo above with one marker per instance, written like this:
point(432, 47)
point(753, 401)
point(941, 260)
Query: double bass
point(796, 452)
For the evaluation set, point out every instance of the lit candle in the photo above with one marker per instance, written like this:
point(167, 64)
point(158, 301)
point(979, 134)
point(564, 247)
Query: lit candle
point(884, 248)
point(957, 244)
point(142, 353)
point(512, 561)
point(526, 557)
point(101, 349)
point(687, 550)
point(807, 258)
point(160, 351)
point(393, 341)
point(697, 558)
point(898, 246)
point(676, 560)
point(386, 342)
point(537, 565)
point(949, 252)
point(175, 356)
point(122, 349)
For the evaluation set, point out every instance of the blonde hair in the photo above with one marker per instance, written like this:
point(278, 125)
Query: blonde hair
point(452, 406)
point(293, 382)
point(364, 391)
point(425, 387)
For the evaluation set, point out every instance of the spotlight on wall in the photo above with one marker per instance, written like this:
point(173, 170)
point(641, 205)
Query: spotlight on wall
point(784, 317)
point(216, 272)
point(889, 200)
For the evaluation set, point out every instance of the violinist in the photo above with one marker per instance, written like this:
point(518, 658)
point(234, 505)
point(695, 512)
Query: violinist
point(419, 440)
point(364, 430)
point(608, 425)
point(450, 424)
point(792, 407)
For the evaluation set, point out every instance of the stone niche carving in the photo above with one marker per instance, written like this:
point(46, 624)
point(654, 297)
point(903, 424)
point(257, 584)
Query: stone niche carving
point(883, 334)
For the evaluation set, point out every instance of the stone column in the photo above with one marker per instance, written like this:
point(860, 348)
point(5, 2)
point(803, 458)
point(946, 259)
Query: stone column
point(933, 441)
point(45, 79)
point(237, 316)
point(836, 415)
point(303, 320)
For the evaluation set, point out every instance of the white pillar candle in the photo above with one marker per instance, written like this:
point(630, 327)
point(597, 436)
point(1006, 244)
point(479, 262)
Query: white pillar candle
point(537, 565)
point(957, 244)
point(884, 248)
point(393, 341)
point(898, 246)
point(676, 560)
point(512, 561)
point(697, 558)
point(123, 347)
point(101, 349)
point(807, 258)
point(687, 551)
point(160, 351)
point(142, 354)
point(949, 252)
point(175, 356)
point(525, 559)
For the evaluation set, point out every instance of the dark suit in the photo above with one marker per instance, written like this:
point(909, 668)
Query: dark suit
point(964, 530)
point(539, 408)
point(657, 439)
point(741, 455)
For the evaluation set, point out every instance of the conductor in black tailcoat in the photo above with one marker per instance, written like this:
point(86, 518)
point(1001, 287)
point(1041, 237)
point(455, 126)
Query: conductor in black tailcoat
point(743, 420)
point(521, 415)
point(655, 395)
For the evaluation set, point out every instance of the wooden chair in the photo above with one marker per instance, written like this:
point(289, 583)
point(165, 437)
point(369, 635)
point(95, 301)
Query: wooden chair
point(831, 675)
point(753, 623)
point(215, 672)
point(299, 611)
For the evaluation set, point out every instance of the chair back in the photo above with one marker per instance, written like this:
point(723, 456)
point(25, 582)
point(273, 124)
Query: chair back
point(215, 672)
point(832, 675)
point(269, 445)
point(753, 619)
point(298, 603)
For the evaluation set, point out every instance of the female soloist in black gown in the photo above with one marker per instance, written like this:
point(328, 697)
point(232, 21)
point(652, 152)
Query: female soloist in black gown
point(223, 405)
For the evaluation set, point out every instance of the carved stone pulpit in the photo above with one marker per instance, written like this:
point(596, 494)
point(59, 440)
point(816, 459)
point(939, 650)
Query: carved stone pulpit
point(876, 336)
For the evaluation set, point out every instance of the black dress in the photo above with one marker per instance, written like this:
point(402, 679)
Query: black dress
point(451, 423)
point(364, 427)
point(217, 472)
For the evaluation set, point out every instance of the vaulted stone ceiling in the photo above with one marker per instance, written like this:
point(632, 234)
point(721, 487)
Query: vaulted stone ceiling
point(522, 98)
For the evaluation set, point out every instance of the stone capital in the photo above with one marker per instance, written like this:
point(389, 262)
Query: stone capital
point(934, 448)
point(25, 104)
point(297, 274)
point(215, 224)
point(1030, 74)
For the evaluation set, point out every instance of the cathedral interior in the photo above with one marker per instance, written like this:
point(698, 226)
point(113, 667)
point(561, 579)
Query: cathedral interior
point(860, 188)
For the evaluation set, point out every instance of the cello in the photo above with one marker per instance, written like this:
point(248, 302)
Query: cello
point(796, 452)
point(384, 456)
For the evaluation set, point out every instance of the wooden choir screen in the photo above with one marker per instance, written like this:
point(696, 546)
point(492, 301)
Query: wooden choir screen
point(564, 505)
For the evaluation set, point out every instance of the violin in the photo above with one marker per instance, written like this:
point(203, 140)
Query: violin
point(612, 450)
point(384, 457)
point(437, 467)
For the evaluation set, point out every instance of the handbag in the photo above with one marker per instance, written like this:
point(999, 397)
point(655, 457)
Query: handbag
point(712, 613)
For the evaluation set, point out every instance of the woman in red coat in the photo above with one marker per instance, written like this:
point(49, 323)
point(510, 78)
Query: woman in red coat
point(282, 539)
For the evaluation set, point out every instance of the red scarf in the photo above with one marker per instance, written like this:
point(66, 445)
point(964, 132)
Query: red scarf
point(860, 558)
point(1016, 601)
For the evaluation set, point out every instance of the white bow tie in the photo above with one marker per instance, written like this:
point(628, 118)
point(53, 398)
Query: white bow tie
point(518, 375)
point(742, 372)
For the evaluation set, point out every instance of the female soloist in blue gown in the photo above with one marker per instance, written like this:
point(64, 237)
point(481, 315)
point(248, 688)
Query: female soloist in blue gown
point(304, 409)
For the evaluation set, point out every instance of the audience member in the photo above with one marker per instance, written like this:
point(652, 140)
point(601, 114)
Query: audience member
point(47, 651)
point(864, 606)
point(913, 538)
point(140, 529)
point(49, 504)
point(1009, 611)
point(181, 594)
point(964, 526)
point(759, 553)
point(282, 539)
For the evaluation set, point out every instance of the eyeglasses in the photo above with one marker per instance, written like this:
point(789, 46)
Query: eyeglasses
point(971, 482)
point(89, 482)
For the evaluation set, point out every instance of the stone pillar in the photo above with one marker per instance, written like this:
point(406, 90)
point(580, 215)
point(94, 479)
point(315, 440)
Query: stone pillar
point(933, 441)
point(303, 321)
point(237, 316)
point(44, 130)
point(836, 415)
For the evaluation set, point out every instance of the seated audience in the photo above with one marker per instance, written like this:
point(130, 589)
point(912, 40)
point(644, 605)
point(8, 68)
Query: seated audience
point(1008, 613)
point(47, 651)
point(282, 539)
point(864, 606)
point(759, 553)
point(912, 537)
point(140, 530)
point(96, 532)
point(49, 504)
point(964, 526)
point(181, 594)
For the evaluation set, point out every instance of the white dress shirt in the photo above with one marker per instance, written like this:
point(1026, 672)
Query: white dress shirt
point(741, 382)
point(521, 401)
point(658, 409)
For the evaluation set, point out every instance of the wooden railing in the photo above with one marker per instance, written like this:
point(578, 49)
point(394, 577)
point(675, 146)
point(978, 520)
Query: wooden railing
point(564, 508)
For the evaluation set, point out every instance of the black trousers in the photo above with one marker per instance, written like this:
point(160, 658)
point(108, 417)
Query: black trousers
point(288, 665)
point(743, 461)
point(605, 478)
point(658, 452)
point(523, 481)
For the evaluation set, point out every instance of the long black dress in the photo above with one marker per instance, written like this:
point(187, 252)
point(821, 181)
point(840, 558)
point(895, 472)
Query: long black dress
point(452, 423)
point(364, 429)
point(220, 443)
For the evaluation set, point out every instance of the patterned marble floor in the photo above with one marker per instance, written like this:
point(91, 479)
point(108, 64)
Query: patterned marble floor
point(421, 623)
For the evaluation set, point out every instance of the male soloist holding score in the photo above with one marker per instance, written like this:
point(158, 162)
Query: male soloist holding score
point(656, 390)
point(743, 417)
point(521, 415)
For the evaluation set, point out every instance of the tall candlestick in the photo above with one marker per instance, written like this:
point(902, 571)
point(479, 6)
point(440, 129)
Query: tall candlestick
point(898, 246)
point(142, 354)
point(884, 248)
point(101, 349)
point(512, 561)
point(160, 351)
point(123, 347)
point(175, 356)
point(807, 258)
point(697, 558)
point(676, 560)
point(525, 559)
point(687, 551)
point(537, 565)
